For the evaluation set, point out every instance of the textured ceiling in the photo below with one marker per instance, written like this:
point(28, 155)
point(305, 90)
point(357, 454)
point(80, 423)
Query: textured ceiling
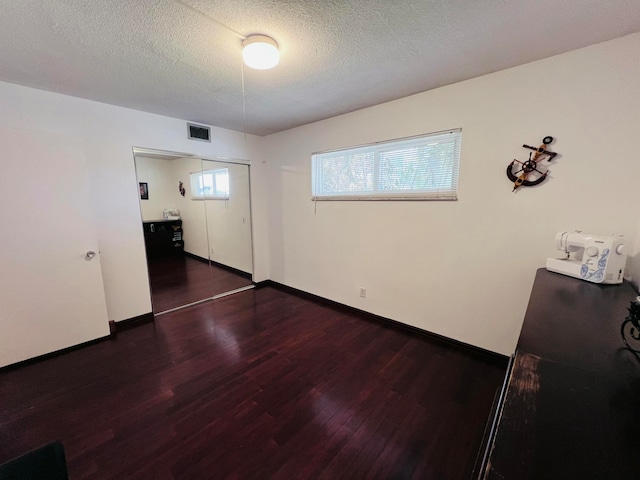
point(165, 57)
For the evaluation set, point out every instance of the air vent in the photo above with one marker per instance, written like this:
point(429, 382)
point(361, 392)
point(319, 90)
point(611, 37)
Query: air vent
point(198, 132)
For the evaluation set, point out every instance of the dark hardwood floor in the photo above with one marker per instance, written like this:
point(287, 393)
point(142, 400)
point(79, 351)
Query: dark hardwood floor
point(258, 385)
point(179, 280)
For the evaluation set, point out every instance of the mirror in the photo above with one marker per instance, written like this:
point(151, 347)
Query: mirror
point(196, 219)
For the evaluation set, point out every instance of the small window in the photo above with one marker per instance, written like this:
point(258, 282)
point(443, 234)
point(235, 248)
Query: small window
point(210, 184)
point(415, 168)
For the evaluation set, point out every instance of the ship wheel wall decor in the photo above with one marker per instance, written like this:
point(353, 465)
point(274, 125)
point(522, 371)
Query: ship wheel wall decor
point(531, 172)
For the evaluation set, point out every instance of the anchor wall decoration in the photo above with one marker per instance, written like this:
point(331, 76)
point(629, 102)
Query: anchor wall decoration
point(529, 172)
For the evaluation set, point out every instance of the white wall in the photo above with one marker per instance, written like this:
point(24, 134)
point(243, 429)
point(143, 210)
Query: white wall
point(464, 269)
point(158, 174)
point(461, 269)
point(193, 214)
point(229, 221)
point(108, 134)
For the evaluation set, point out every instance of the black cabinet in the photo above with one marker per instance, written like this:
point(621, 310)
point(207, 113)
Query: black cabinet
point(163, 238)
point(571, 403)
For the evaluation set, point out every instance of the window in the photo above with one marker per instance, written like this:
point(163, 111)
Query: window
point(210, 184)
point(423, 168)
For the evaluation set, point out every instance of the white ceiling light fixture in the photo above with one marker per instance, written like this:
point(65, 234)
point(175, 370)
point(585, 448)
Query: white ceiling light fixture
point(260, 52)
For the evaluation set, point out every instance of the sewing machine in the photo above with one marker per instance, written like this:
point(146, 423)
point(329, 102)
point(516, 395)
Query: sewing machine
point(595, 258)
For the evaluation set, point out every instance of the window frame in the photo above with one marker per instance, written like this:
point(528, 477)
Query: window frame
point(450, 193)
point(195, 176)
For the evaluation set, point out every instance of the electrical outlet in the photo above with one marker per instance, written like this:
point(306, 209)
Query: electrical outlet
point(363, 292)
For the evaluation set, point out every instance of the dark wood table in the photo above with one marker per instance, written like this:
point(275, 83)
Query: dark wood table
point(572, 403)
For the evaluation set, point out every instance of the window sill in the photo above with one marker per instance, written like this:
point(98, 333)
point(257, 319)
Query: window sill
point(394, 198)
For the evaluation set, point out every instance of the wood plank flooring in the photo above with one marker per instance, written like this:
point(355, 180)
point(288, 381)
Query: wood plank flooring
point(179, 280)
point(258, 385)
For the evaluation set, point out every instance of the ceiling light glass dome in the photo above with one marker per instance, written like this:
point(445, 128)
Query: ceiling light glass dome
point(260, 52)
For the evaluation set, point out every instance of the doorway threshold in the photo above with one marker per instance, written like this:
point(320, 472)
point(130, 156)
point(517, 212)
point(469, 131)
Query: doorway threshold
point(215, 297)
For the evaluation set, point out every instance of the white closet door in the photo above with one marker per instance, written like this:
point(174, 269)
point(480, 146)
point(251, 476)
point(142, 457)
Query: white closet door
point(51, 293)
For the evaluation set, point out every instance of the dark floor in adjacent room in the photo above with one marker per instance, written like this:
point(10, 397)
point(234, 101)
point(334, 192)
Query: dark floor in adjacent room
point(179, 280)
point(258, 385)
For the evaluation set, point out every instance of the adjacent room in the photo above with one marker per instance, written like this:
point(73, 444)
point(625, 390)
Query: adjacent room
point(399, 242)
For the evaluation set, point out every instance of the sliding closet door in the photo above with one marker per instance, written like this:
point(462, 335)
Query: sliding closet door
point(175, 230)
point(228, 211)
point(208, 205)
point(51, 290)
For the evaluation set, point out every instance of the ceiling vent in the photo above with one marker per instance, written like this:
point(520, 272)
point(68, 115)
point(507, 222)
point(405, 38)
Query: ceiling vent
point(199, 132)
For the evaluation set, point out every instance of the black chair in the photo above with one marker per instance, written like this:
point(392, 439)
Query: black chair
point(44, 463)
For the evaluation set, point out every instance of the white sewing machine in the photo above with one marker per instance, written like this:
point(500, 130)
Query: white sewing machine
point(595, 258)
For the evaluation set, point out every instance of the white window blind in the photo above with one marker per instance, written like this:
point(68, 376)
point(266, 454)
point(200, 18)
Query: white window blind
point(210, 184)
point(416, 168)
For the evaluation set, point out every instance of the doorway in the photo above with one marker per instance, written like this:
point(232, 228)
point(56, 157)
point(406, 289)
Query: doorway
point(196, 220)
